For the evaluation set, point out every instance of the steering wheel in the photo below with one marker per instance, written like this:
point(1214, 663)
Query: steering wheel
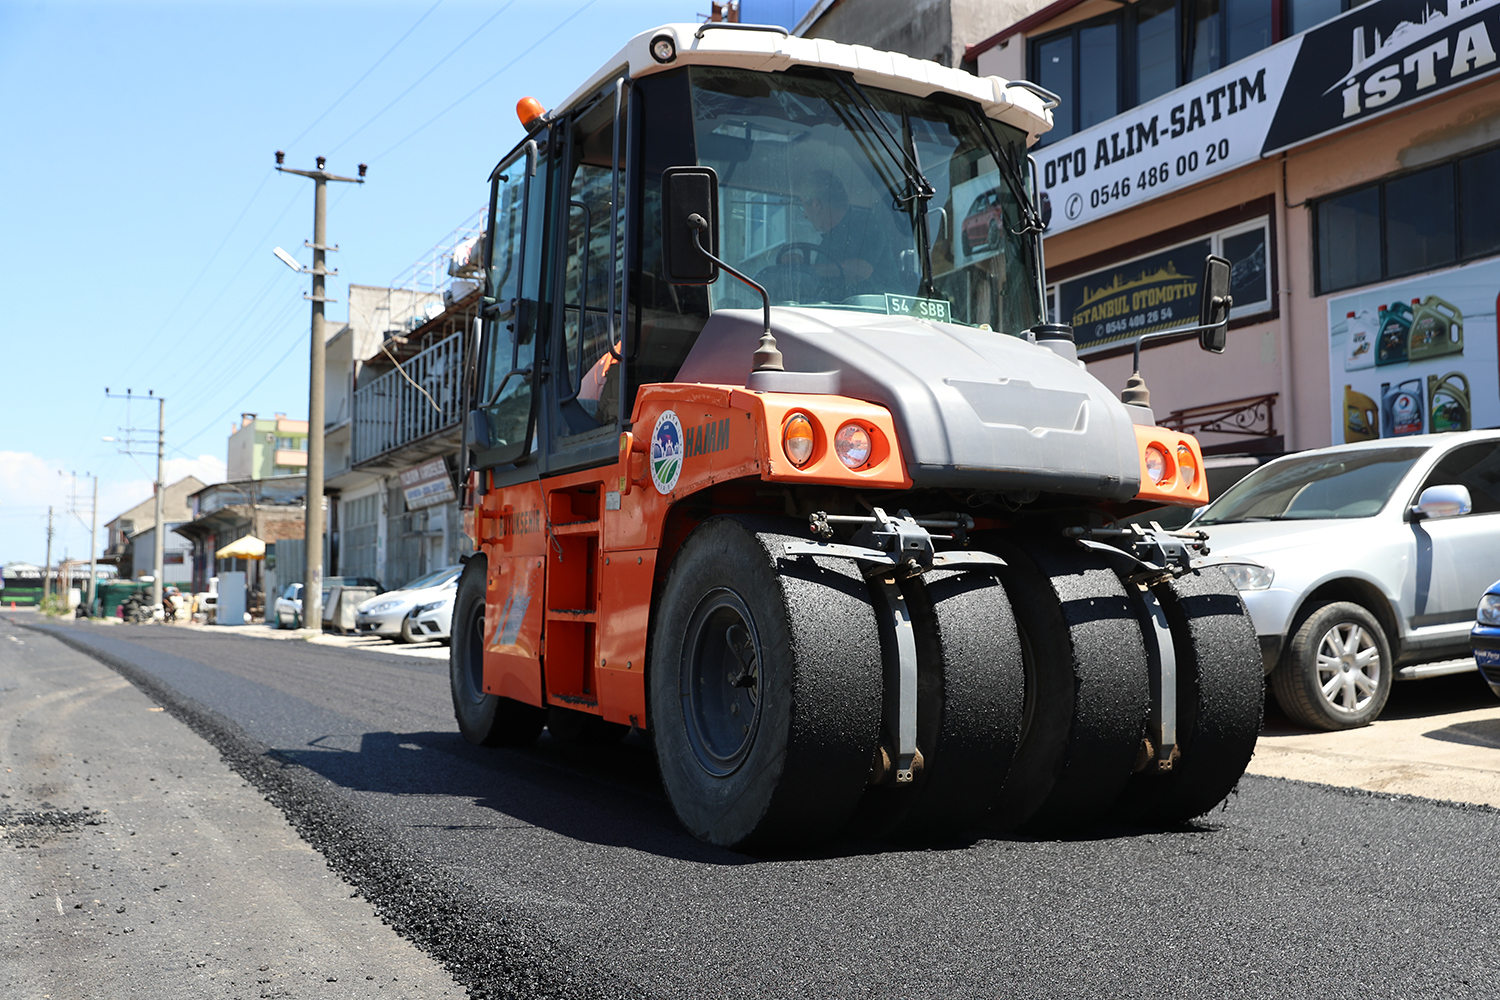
point(803, 280)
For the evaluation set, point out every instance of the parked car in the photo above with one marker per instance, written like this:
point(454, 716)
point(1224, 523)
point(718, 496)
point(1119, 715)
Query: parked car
point(288, 608)
point(1484, 637)
point(387, 615)
point(984, 225)
point(434, 619)
point(1372, 557)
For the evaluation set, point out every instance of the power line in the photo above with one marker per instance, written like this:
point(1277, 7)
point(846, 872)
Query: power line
point(424, 76)
point(367, 72)
point(532, 46)
point(229, 409)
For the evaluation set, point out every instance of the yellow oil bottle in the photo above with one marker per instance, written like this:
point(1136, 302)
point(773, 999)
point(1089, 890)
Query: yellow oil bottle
point(1361, 417)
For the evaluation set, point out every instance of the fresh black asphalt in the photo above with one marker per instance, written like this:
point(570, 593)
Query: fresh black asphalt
point(559, 871)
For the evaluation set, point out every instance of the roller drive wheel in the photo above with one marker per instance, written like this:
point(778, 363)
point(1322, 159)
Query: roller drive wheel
point(970, 693)
point(1220, 700)
point(1336, 672)
point(582, 728)
point(765, 684)
point(1087, 690)
point(484, 719)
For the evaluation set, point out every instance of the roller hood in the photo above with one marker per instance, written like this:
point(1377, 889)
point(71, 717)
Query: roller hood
point(974, 409)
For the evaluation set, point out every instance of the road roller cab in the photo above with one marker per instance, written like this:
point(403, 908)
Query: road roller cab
point(763, 457)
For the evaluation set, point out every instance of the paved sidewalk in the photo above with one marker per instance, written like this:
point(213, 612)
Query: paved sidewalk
point(1439, 739)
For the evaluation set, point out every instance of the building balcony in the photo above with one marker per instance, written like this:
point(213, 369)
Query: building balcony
point(291, 456)
point(412, 412)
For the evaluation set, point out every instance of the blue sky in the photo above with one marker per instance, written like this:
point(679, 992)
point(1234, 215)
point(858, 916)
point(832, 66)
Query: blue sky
point(140, 204)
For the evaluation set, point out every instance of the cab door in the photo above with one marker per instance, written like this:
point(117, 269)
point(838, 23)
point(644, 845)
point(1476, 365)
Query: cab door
point(501, 434)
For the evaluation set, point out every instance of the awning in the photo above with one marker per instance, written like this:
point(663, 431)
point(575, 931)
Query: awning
point(247, 547)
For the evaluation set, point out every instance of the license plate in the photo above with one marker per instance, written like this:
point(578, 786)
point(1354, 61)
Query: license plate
point(911, 305)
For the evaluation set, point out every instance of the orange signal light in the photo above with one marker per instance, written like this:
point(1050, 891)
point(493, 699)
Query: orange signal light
point(529, 110)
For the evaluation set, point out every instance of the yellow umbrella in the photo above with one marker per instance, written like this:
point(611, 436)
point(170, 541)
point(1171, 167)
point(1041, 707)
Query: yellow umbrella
point(248, 547)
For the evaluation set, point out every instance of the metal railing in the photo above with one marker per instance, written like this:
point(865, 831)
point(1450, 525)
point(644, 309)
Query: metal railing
point(390, 411)
point(1253, 416)
point(449, 271)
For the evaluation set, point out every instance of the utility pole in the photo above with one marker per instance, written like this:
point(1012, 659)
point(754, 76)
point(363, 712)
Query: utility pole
point(47, 569)
point(93, 532)
point(158, 547)
point(312, 580)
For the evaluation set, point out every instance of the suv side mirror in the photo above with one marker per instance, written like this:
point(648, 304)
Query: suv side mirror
point(1214, 304)
point(1448, 500)
point(687, 192)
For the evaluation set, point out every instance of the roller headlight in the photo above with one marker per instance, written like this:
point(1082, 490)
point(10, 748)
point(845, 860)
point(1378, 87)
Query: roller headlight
point(1489, 610)
point(797, 439)
point(1187, 468)
point(1156, 464)
point(852, 445)
point(1246, 576)
point(383, 607)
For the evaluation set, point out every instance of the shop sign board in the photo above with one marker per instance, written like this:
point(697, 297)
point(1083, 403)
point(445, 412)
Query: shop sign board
point(427, 485)
point(1372, 59)
point(1120, 303)
point(1416, 356)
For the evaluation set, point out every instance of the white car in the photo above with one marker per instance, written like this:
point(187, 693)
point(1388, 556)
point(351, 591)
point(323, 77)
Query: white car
point(434, 619)
point(388, 615)
point(287, 612)
point(1372, 558)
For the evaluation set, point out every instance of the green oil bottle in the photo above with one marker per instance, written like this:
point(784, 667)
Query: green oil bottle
point(1448, 402)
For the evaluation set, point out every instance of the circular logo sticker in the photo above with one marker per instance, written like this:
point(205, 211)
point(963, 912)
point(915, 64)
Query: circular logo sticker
point(666, 452)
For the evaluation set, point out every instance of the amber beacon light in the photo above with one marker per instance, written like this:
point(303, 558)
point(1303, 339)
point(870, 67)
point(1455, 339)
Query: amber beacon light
point(530, 111)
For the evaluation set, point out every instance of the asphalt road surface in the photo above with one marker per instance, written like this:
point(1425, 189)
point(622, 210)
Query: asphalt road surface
point(559, 871)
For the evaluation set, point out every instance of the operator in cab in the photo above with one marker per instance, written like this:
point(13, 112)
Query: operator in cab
point(856, 247)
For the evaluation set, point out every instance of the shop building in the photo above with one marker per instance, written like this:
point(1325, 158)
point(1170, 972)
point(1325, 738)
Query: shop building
point(1346, 161)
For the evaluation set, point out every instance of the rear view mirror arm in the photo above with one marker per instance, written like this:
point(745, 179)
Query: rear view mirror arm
point(767, 357)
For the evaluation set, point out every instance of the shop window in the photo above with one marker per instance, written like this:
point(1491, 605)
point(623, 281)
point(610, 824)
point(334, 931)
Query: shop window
point(1420, 221)
point(1479, 204)
point(1155, 48)
point(1112, 63)
point(1303, 14)
point(1349, 239)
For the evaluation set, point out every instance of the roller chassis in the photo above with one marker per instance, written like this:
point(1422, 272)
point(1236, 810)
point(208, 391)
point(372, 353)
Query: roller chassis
point(583, 583)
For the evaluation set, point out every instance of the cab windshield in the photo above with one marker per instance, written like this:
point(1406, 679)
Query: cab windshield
point(829, 191)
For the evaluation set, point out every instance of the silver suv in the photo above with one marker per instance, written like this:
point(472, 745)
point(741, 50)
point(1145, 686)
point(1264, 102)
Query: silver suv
point(1372, 558)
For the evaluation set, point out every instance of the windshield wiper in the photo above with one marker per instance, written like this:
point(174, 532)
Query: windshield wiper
point(1030, 221)
point(919, 190)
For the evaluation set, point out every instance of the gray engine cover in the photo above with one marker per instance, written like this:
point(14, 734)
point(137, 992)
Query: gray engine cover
point(974, 409)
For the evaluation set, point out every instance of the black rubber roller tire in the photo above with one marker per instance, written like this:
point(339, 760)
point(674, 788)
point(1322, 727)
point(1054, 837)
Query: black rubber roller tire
point(484, 719)
point(1220, 701)
point(765, 688)
point(970, 692)
point(1087, 690)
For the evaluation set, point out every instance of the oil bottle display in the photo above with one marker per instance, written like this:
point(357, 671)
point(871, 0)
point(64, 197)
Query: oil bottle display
point(1448, 402)
point(1395, 334)
point(1437, 328)
point(1401, 408)
point(1361, 343)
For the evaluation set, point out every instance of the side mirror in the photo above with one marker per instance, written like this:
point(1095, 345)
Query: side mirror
point(1214, 305)
point(1443, 501)
point(688, 192)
